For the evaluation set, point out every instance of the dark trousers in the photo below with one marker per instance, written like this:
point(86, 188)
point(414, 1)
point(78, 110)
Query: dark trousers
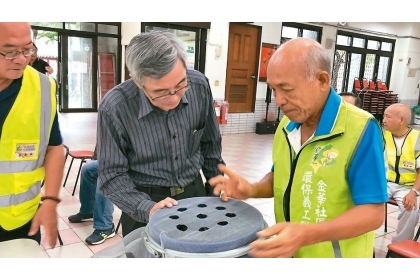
point(21, 232)
point(195, 189)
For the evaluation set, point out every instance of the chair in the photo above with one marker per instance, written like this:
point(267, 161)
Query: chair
point(392, 202)
point(83, 155)
point(405, 248)
point(357, 88)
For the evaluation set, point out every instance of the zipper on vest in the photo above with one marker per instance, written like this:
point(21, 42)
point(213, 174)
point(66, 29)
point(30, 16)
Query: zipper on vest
point(286, 197)
point(398, 158)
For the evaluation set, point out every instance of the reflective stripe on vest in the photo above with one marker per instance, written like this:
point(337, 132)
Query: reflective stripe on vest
point(46, 107)
point(8, 200)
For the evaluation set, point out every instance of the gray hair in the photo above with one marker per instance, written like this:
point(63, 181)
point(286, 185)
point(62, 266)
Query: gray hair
point(154, 54)
point(317, 59)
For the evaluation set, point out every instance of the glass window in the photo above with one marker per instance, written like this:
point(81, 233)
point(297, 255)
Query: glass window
point(310, 34)
point(110, 29)
point(343, 40)
point(386, 47)
point(383, 68)
point(188, 37)
point(355, 62)
point(289, 32)
point(48, 24)
point(81, 26)
point(358, 42)
point(373, 45)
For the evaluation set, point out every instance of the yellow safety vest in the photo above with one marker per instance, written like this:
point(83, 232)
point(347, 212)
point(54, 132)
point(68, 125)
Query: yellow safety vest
point(402, 169)
point(23, 145)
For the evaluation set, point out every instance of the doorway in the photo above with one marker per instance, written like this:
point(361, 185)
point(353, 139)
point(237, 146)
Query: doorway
point(242, 67)
point(78, 82)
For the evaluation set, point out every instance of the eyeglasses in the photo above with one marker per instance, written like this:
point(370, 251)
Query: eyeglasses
point(166, 95)
point(13, 55)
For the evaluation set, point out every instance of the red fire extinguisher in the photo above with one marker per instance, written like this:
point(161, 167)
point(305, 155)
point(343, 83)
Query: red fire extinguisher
point(217, 110)
point(224, 112)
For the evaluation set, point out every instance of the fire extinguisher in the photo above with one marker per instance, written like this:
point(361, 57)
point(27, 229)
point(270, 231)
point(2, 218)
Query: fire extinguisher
point(217, 110)
point(224, 112)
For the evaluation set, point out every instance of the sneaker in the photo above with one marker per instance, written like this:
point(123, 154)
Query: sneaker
point(99, 236)
point(79, 217)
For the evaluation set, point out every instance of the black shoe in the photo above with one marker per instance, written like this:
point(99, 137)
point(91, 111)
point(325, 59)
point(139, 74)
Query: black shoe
point(99, 236)
point(79, 217)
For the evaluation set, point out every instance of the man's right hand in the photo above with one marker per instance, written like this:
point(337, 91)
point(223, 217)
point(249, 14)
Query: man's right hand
point(167, 202)
point(233, 186)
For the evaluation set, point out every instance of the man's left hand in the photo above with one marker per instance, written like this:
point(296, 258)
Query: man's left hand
point(410, 201)
point(47, 217)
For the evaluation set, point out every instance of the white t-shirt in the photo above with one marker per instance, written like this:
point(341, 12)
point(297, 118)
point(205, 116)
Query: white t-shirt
point(399, 142)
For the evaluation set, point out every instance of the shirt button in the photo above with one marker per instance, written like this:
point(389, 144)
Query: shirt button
point(174, 136)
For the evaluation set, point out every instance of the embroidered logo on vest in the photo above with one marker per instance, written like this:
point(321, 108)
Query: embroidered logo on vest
point(324, 156)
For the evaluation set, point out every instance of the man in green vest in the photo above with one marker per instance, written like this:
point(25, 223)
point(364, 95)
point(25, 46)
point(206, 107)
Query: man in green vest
point(328, 175)
point(31, 149)
point(403, 150)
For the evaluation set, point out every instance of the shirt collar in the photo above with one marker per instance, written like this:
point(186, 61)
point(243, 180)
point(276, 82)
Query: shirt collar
point(328, 117)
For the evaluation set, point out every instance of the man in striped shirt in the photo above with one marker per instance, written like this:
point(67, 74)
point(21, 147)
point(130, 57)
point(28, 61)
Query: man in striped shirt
point(156, 131)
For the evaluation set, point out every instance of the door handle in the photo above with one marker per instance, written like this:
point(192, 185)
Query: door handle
point(253, 76)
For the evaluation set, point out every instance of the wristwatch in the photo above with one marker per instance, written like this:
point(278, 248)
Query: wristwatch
point(416, 191)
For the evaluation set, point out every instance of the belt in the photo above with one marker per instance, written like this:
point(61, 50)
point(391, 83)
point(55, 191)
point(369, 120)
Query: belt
point(167, 191)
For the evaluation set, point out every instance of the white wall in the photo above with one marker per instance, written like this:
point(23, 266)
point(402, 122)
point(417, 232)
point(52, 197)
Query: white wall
point(405, 86)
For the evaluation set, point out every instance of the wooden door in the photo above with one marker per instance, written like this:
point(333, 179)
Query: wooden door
point(242, 67)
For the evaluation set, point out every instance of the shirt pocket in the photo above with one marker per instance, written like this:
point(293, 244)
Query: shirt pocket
point(195, 140)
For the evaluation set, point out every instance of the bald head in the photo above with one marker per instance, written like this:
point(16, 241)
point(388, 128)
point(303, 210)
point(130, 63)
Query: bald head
point(306, 53)
point(14, 37)
point(299, 74)
point(396, 118)
point(20, 28)
point(400, 110)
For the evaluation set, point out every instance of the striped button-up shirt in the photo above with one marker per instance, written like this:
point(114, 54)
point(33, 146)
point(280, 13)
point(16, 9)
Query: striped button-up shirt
point(139, 144)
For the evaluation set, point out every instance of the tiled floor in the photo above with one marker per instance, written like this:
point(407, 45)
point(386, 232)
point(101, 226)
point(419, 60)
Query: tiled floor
point(249, 154)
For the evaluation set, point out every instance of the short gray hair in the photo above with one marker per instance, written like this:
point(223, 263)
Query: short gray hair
point(154, 54)
point(317, 59)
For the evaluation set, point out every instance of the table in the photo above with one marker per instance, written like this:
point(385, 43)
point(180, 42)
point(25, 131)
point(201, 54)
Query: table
point(21, 248)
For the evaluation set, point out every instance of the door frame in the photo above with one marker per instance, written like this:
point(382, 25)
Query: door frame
point(256, 67)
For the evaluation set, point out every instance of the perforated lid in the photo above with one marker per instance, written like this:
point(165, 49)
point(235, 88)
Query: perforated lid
point(205, 225)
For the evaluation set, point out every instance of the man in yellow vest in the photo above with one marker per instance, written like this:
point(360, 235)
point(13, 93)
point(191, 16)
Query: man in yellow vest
point(31, 147)
point(328, 174)
point(403, 150)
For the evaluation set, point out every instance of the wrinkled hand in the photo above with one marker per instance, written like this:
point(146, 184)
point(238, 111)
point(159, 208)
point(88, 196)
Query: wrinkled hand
point(46, 216)
point(410, 201)
point(232, 186)
point(283, 240)
point(167, 202)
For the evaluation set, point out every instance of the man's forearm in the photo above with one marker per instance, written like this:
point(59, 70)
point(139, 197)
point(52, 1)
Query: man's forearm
point(264, 188)
point(54, 166)
point(352, 223)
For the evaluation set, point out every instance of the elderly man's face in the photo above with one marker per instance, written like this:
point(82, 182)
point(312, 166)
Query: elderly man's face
point(14, 37)
point(392, 121)
point(299, 98)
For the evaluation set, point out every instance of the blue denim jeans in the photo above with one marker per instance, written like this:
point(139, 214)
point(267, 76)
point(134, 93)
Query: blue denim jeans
point(91, 198)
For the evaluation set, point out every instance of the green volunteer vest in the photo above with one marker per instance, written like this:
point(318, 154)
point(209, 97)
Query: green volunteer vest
point(311, 186)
